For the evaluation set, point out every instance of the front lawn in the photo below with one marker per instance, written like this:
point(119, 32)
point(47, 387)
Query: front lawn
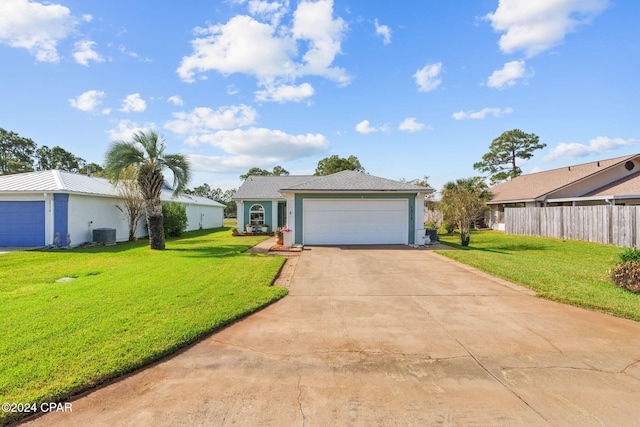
point(125, 307)
point(571, 272)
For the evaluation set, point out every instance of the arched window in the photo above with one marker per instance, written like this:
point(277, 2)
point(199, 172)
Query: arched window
point(256, 215)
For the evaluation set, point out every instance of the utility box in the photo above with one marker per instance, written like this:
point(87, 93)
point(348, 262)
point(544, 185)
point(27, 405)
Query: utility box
point(106, 236)
point(432, 233)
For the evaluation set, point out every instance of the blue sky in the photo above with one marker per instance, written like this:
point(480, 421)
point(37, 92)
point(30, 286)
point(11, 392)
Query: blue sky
point(410, 88)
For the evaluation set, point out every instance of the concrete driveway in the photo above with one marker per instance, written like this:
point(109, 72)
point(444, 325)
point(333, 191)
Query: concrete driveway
point(389, 336)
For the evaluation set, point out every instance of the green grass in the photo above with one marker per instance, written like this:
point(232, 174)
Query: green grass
point(126, 307)
point(571, 272)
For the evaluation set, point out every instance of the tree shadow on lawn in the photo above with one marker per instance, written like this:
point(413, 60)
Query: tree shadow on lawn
point(502, 249)
point(217, 251)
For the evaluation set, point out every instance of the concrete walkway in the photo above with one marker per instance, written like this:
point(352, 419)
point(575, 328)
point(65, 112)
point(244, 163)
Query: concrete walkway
point(392, 337)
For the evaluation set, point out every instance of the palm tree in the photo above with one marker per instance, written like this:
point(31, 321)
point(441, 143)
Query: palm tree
point(463, 202)
point(145, 152)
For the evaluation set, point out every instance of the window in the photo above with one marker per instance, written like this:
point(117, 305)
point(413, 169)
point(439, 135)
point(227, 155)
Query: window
point(256, 215)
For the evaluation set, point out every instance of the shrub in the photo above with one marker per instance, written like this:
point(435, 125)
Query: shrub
point(449, 226)
point(630, 254)
point(175, 219)
point(627, 276)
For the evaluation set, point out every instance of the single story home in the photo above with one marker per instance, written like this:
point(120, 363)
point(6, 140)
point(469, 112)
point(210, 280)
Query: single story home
point(37, 206)
point(345, 208)
point(613, 181)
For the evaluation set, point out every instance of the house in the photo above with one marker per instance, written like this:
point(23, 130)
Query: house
point(344, 208)
point(613, 181)
point(35, 206)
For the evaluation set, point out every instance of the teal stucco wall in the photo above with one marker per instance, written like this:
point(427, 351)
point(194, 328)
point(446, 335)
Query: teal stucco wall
point(268, 212)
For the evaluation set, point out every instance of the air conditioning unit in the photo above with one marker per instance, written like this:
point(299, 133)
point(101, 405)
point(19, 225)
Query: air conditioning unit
point(432, 233)
point(106, 236)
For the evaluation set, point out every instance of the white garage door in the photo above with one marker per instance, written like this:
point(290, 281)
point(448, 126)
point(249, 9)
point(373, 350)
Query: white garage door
point(355, 222)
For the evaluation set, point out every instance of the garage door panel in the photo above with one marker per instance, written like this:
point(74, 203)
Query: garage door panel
point(355, 222)
point(22, 223)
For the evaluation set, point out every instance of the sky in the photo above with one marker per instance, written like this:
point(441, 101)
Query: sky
point(411, 88)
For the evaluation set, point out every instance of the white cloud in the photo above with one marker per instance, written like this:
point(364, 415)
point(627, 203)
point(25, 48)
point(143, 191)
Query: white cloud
point(364, 127)
point(125, 129)
point(242, 45)
point(411, 125)
point(203, 120)
point(266, 144)
point(313, 22)
point(272, 11)
point(535, 26)
point(83, 52)
point(89, 101)
point(508, 75)
point(133, 103)
point(176, 100)
point(285, 93)
point(384, 32)
point(597, 145)
point(268, 51)
point(482, 114)
point(37, 27)
point(428, 77)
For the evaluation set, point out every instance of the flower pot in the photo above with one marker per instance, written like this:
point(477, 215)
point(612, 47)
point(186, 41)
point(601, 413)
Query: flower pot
point(249, 229)
point(265, 229)
point(288, 239)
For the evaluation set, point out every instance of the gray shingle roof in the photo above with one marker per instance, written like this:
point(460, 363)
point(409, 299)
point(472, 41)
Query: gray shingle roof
point(353, 181)
point(537, 185)
point(267, 187)
point(55, 181)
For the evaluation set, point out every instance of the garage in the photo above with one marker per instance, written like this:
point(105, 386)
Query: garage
point(355, 221)
point(23, 223)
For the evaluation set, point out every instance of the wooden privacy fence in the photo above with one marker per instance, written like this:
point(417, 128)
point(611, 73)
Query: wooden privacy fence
point(614, 225)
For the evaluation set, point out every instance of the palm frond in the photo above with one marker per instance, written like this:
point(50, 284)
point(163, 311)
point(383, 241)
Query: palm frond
point(121, 155)
point(179, 166)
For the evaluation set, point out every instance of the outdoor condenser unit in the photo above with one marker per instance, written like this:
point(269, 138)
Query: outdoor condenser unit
point(106, 236)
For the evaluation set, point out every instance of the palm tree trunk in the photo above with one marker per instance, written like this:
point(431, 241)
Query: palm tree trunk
point(153, 208)
point(151, 180)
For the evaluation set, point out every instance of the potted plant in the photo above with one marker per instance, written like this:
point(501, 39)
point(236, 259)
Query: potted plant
point(279, 236)
point(264, 228)
point(249, 228)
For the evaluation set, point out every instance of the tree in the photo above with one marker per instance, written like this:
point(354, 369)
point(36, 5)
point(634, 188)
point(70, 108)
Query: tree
point(58, 158)
point(333, 164)
point(277, 171)
point(145, 152)
point(131, 197)
point(15, 153)
point(92, 169)
point(501, 160)
point(463, 202)
point(218, 195)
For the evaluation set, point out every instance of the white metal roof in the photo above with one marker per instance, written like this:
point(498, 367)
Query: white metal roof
point(56, 181)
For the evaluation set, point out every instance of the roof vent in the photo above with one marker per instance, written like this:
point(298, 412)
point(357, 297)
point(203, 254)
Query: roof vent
point(598, 164)
point(569, 167)
point(629, 165)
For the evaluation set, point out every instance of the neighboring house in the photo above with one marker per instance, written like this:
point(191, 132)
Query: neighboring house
point(34, 206)
point(343, 208)
point(612, 181)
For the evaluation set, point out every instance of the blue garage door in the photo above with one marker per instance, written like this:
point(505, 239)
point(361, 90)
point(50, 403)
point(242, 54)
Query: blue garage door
point(22, 223)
